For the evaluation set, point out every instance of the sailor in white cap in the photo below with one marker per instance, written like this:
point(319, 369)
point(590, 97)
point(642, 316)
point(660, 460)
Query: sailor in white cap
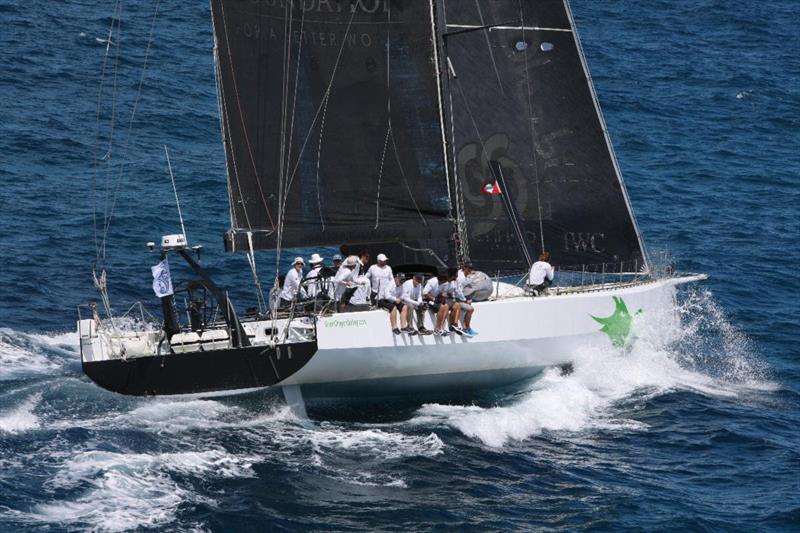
point(380, 275)
point(312, 283)
point(291, 285)
point(337, 261)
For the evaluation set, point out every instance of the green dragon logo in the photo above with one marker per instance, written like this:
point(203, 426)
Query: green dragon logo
point(618, 325)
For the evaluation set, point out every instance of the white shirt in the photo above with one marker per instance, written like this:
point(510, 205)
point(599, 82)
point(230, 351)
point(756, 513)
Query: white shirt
point(390, 291)
point(457, 286)
point(344, 275)
point(291, 285)
point(433, 288)
point(361, 296)
point(312, 285)
point(410, 294)
point(539, 271)
point(380, 276)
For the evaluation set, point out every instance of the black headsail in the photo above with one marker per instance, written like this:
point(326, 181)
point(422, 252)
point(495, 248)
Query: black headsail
point(517, 92)
point(333, 107)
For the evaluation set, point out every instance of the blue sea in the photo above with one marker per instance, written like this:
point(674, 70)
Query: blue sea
point(696, 429)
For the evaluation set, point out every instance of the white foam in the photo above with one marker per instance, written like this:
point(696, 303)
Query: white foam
point(176, 416)
point(68, 341)
point(132, 491)
point(24, 354)
point(21, 418)
point(658, 362)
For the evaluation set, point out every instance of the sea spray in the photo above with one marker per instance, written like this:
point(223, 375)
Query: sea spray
point(22, 417)
point(662, 359)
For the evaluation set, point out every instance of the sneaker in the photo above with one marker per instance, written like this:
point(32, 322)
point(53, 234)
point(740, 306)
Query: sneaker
point(470, 332)
point(423, 331)
point(457, 330)
point(408, 330)
point(440, 333)
point(396, 331)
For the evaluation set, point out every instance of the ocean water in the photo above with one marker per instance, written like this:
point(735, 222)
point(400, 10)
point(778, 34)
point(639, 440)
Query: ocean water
point(697, 428)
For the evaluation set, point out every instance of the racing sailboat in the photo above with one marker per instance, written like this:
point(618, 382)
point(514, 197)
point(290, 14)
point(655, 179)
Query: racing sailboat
point(438, 132)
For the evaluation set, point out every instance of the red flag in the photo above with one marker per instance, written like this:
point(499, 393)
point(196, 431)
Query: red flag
point(491, 188)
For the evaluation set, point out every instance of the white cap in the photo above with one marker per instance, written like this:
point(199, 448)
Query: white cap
point(351, 260)
point(315, 258)
point(382, 257)
point(299, 260)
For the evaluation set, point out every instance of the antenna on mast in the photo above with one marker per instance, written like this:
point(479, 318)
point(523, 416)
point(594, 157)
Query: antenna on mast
point(175, 190)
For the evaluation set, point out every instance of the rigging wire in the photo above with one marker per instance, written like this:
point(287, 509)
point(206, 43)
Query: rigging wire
point(130, 125)
point(489, 47)
point(112, 119)
point(532, 122)
point(115, 17)
point(175, 190)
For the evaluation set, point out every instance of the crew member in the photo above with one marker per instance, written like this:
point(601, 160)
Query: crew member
point(434, 295)
point(459, 303)
point(344, 282)
point(291, 284)
point(313, 283)
point(379, 275)
point(390, 298)
point(360, 299)
point(337, 262)
point(412, 299)
point(541, 275)
point(363, 261)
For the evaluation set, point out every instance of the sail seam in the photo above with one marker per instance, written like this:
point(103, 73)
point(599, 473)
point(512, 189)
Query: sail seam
point(388, 116)
point(324, 101)
point(505, 27)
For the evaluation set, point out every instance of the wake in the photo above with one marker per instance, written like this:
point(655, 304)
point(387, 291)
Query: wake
point(703, 353)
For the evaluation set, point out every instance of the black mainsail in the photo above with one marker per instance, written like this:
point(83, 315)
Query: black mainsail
point(330, 120)
point(380, 121)
point(518, 92)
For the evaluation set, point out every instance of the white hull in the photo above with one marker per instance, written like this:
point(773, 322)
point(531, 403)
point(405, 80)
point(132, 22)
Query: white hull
point(518, 338)
point(356, 354)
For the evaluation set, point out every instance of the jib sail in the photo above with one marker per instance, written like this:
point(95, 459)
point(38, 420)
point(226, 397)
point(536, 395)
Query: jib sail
point(517, 92)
